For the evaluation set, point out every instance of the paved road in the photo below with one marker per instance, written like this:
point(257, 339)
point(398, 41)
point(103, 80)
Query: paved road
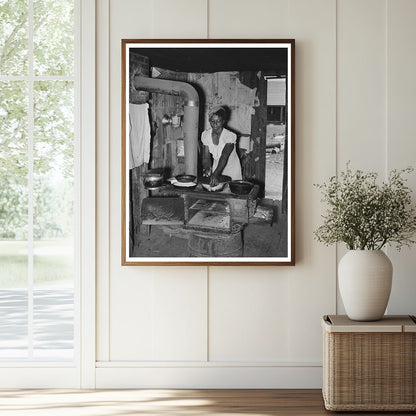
point(53, 323)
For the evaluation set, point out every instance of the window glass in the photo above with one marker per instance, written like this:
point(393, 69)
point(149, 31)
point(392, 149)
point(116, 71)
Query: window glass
point(53, 219)
point(13, 219)
point(53, 37)
point(53, 184)
point(13, 161)
point(37, 137)
point(14, 313)
point(13, 37)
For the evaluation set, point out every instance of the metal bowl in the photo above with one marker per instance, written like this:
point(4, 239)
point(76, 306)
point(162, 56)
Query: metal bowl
point(153, 178)
point(240, 187)
point(153, 174)
point(185, 178)
point(152, 183)
point(205, 182)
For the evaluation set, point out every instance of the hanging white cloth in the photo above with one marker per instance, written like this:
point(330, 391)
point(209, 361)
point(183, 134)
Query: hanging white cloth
point(139, 134)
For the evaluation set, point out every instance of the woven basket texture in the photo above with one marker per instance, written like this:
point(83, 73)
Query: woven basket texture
point(369, 371)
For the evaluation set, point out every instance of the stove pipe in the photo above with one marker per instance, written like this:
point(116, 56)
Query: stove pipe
point(190, 117)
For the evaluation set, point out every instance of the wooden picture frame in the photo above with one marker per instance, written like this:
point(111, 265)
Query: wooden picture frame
point(220, 108)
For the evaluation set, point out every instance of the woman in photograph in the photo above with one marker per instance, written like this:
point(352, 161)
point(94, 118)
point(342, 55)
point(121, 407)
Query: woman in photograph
point(220, 144)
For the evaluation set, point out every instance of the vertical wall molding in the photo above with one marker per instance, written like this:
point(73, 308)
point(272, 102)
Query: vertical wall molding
point(208, 22)
point(103, 181)
point(88, 188)
point(401, 133)
point(336, 296)
point(387, 71)
point(207, 313)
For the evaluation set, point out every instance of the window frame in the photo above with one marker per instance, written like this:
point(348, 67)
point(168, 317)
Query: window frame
point(81, 371)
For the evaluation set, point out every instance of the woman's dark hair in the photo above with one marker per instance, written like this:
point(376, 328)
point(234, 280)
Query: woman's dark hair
point(218, 111)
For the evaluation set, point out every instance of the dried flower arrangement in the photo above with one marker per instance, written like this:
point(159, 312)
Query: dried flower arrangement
point(366, 215)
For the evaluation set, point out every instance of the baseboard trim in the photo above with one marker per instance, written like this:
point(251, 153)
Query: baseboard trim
point(204, 364)
point(210, 377)
point(39, 378)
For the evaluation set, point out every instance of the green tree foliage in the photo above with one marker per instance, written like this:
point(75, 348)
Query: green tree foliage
point(13, 129)
point(54, 126)
point(13, 37)
point(52, 118)
point(13, 159)
point(53, 37)
point(13, 208)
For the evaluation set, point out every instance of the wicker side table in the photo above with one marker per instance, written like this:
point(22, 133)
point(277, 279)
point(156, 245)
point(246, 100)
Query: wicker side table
point(369, 366)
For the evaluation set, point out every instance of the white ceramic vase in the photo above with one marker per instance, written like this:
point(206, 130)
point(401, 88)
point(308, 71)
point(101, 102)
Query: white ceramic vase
point(364, 278)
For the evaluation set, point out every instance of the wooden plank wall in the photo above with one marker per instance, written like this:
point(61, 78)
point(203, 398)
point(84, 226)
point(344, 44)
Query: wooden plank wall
point(254, 165)
point(165, 137)
point(164, 153)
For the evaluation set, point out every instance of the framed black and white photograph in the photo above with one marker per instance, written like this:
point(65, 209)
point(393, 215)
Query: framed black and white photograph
point(208, 152)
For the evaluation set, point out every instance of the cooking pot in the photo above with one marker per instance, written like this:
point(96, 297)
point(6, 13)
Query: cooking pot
point(152, 178)
point(240, 187)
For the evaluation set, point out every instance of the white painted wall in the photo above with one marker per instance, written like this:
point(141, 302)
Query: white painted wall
point(254, 326)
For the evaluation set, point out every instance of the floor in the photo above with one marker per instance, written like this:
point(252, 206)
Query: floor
point(166, 402)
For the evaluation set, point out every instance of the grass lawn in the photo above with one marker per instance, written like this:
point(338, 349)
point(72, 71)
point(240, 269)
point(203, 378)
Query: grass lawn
point(52, 263)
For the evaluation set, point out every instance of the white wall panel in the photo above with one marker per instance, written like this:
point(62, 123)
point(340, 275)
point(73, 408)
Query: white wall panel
point(361, 84)
point(158, 316)
point(247, 20)
point(361, 89)
point(248, 314)
point(401, 143)
point(312, 283)
point(131, 316)
point(158, 18)
point(179, 19)
point(272, 326)
point(140, 327)
point(180, 316)
point(354, 83)
point(312, 25)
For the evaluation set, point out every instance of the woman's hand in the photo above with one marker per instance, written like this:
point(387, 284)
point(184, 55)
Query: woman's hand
point(206, 173)
point(214, 180)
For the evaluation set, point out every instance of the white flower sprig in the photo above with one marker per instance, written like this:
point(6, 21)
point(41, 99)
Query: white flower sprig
point(365, 215)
